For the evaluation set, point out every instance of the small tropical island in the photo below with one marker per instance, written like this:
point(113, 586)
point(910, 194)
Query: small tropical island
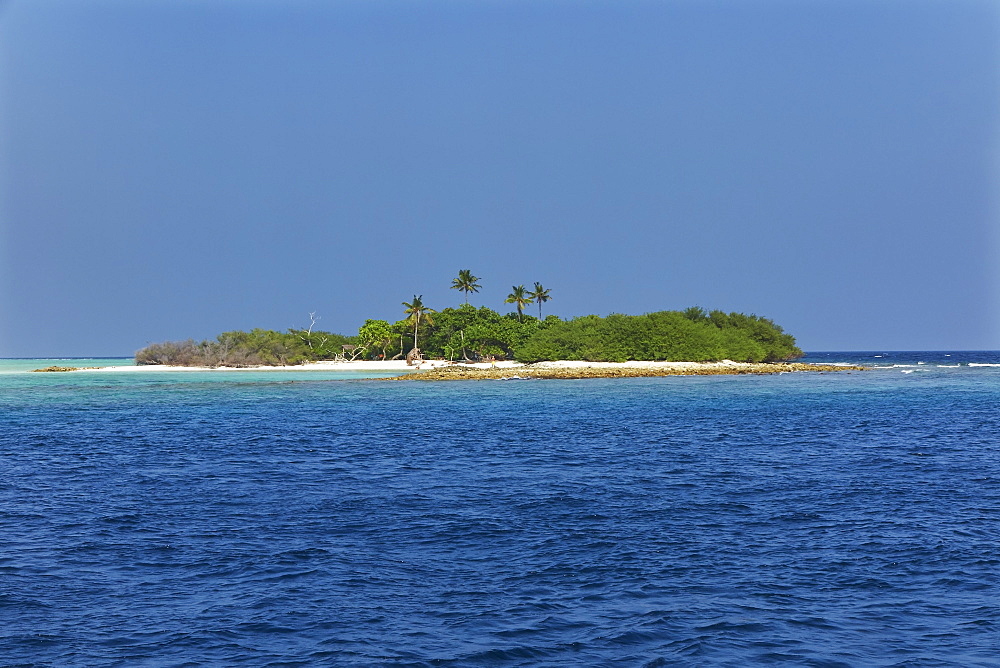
point(464, 341)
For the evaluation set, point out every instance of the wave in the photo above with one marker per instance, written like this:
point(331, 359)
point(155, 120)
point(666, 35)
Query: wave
point(982, 364)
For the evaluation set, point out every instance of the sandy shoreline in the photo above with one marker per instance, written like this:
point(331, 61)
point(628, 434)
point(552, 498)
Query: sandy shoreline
point(394, 366)
point(443, 370)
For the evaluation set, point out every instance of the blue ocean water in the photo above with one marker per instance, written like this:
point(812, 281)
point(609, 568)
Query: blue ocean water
point(292, 519)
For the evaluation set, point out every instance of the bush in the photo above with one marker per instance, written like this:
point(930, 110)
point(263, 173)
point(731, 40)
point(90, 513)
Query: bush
point(259, 347)
point(478, 331)
point(689, 336)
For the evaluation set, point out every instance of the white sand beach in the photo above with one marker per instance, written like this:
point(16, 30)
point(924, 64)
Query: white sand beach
point(400, 366)
point(431, 370)
point(393, 366)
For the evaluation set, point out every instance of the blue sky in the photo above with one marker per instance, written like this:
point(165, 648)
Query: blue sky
point(174, 169)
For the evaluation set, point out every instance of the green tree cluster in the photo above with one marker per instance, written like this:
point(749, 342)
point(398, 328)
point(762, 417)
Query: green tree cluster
point(468, 332)
point(465, 332)
point(376, 335)
point(258, 347)
point(417, 312)
point(520, 297)
point(691, 335)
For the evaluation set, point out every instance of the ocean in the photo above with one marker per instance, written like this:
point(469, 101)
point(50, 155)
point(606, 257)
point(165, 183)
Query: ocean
point(312, 518)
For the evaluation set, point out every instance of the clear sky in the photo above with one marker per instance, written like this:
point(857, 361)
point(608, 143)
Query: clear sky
point(171, 169)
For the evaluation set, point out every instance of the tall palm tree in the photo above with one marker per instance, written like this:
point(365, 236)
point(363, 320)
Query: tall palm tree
point(540, 295)
point(466, 282)
point(520, 298)
point(416, 310)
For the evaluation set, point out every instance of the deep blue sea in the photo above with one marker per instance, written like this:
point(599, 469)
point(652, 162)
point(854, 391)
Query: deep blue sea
point(303, 518)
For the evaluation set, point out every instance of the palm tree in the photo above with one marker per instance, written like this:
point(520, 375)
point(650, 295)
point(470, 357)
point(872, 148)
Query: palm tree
point(465, 282)
point(520, 298)
point(540, 295)
point(416, 310)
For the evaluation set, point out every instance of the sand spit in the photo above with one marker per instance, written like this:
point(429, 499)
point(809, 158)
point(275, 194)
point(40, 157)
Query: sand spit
point(443, 370)
point(398, 366)
point(574, 370)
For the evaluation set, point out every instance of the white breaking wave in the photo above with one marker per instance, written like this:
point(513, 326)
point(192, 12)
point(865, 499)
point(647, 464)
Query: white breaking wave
point(982, 364)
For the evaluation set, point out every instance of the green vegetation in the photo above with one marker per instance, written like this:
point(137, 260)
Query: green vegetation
point(675, 336)
point(466, 282)
point(519, 298)
point(467, 332)
point(417, 311)
point(376, 335)
point(540, 296)
point(470, 333)
point(259, 347)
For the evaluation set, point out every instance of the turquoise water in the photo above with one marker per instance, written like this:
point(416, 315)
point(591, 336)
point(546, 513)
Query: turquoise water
point(12, 371)
point(284, 518)
point(8, 366)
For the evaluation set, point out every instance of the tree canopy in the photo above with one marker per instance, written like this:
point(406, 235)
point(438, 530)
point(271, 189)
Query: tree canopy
point(258, 347)
point(466, 282)
point(467, 332)
point(665, 335)
point(540, 295)
point(519, 297)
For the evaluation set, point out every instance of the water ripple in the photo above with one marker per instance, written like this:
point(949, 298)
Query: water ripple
point(820, 521)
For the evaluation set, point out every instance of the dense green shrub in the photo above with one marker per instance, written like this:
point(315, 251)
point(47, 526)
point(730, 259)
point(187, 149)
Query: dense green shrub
point(468, 332)
point(692, 335)
point(258, 347)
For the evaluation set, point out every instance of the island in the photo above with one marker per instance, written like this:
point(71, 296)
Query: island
point(465, 341)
